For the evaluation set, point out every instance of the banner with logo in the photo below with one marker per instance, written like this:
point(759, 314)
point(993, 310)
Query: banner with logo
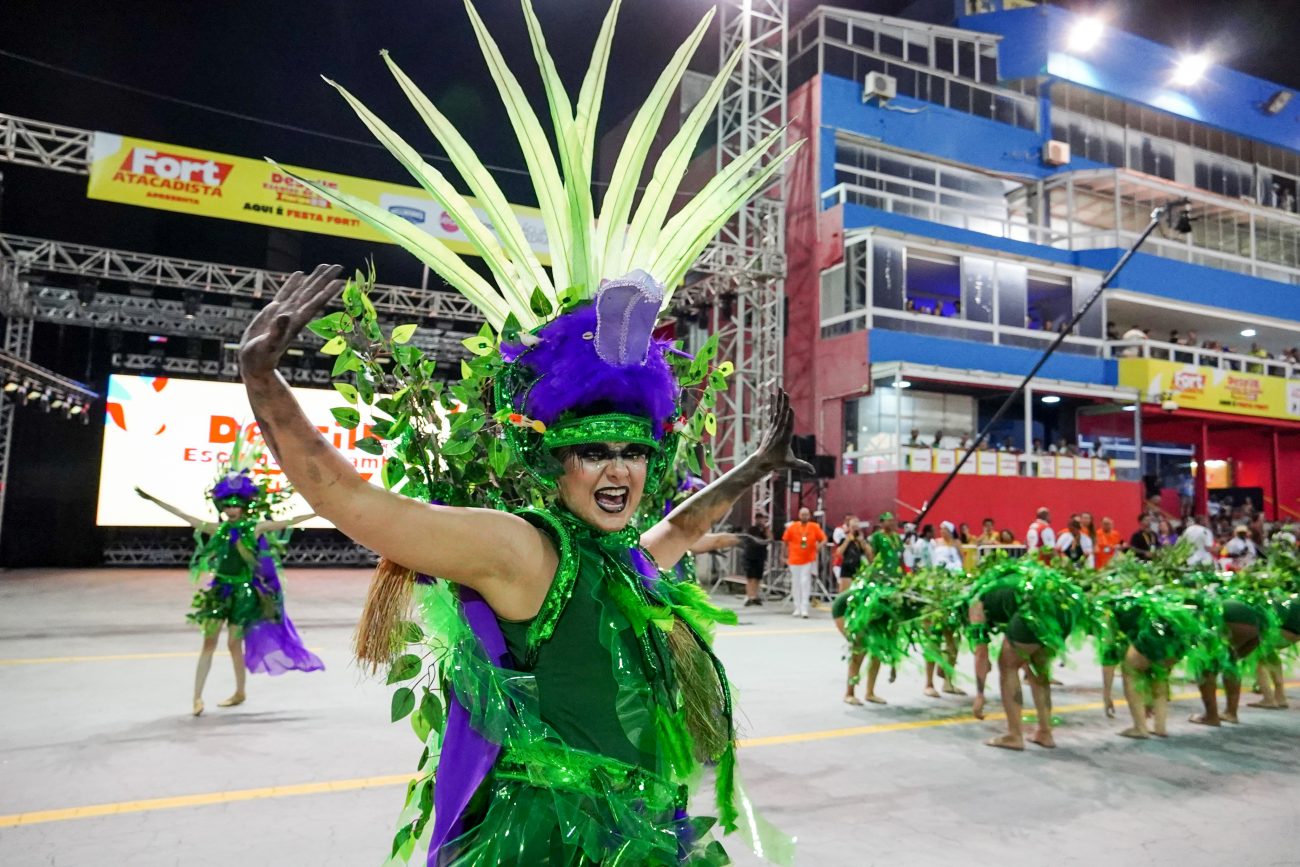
point(168, 436)
point(149, 174)
point(1211, 388)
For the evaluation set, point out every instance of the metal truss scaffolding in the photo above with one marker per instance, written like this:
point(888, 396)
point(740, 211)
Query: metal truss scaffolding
point(747, 297)
point(154, 550)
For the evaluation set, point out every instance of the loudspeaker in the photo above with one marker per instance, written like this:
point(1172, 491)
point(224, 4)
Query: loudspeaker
point(824, 465)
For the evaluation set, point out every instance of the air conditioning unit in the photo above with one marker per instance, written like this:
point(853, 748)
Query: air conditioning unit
point(1056, 153)
point(880, 86)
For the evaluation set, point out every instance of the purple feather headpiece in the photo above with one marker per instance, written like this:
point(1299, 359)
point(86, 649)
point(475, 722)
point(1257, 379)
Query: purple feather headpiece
point(602, 358)
point(235, 486)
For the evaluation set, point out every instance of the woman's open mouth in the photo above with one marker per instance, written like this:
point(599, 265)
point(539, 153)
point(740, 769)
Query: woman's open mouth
point(612, 500)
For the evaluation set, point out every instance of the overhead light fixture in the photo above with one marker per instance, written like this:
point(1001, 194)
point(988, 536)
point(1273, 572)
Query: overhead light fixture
point(1248, 332)
point(11, 387)
point(191, 301)
point(1051, 398)
point(1129, 408)
point(75, 409)
point(86, 289)
point(1190, 69)
point(902, 383)
point(1277, 102)
point(1085, 35)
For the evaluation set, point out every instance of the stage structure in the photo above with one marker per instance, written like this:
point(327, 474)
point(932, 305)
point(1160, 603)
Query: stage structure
point(739, 276)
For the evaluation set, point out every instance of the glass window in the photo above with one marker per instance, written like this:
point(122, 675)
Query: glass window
point(966, 59)
point(1011, 279)
point(834, 300)
point(837, 28)
point(918, 48)
point(1091, 324)
point(888, 273)
point(944, 54)
point(864, 36)
point(891, 41)
point(977, 289)
point(837, 61)
point(934, 284)
point(988, 71)
point(1049, 301)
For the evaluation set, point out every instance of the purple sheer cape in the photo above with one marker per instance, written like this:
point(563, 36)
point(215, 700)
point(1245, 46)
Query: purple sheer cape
point(270, 646)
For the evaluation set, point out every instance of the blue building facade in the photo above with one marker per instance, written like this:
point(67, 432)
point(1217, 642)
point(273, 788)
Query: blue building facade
point(949, 230)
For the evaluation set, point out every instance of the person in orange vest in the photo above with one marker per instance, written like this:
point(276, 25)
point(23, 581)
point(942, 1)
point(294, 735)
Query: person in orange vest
point(1041, 537)
point(803, 539)
point(1107, 543)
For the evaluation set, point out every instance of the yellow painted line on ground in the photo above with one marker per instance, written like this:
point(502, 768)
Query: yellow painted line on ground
point(108, 657)
point(146, 806)
point(120, 657)
point(204, 800)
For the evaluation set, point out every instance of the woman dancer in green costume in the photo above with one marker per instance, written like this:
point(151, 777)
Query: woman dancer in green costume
point(238, 556)
point(573, 693)
point(1036, 609)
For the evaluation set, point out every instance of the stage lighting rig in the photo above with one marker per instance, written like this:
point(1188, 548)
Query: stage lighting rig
point(29, 382)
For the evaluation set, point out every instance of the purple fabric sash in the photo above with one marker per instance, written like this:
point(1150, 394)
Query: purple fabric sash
point(466, 756)
point(274, 646)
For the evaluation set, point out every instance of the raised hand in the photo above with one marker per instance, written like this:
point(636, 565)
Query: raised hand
point(298, 302)
point(775, 451)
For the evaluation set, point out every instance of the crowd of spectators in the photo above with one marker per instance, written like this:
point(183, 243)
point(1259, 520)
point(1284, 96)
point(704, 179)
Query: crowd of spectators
point(1192, 340)
point(942, 440)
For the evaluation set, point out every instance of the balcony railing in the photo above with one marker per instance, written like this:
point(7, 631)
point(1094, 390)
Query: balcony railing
point(1214, 358)
point(1106, 208)
point(985, 462)
point(971, 216)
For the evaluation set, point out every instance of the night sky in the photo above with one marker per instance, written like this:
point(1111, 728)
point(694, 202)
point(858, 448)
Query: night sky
point(263, 59)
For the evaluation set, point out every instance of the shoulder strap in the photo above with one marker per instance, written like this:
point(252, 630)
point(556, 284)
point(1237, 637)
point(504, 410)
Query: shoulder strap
point(561, 589)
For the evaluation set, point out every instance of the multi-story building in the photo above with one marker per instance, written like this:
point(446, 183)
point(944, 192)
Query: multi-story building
point(964, 189)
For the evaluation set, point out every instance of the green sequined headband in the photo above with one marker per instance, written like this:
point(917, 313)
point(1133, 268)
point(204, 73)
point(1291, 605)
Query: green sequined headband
point(608, 428)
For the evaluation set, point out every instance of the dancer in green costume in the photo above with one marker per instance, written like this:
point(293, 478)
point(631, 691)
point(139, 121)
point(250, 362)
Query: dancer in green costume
point(239, 556)
point(570, 697)
point(1036, 609)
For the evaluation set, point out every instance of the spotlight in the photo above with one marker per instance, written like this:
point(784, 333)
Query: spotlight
point(33, 393)
point(75, 409)
point(1051, 398)
point(1277, 102)
point(1190, 69)
point(86, 290)
point(56, 404)
point(1248, 332)
point(1085, 35)
point(11, 387)
point(191, 301)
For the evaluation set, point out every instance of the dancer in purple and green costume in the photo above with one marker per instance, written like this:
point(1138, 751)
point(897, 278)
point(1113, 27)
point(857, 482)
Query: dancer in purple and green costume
point(571, 697)
point(239, 556)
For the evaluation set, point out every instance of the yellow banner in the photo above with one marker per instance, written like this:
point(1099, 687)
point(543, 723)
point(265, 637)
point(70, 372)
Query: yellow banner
point(169, 177)
point(1212, 389)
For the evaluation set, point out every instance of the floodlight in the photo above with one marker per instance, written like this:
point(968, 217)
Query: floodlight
point(1190, 69)
point(1248, 332)
point(1051, 398)
point(1085, 35)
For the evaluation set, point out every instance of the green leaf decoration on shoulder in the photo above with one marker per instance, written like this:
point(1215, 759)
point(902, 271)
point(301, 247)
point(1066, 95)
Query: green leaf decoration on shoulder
point(405, 667)
point(347, 392)
point(335, 345)
point(403, 703)
point(346, 416)
point(403, 333)
point(370, 446)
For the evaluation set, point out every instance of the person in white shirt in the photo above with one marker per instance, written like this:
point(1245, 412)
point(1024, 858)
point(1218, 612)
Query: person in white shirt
point(922, 548)
point(1074, 544)
point(1202, 541)
point(1241, 548)
point(1040, 534)
point(1132, 334)
point(945, 553)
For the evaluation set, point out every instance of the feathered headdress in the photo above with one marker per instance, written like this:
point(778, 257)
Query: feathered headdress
point(593, 371)
point(236, 484)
